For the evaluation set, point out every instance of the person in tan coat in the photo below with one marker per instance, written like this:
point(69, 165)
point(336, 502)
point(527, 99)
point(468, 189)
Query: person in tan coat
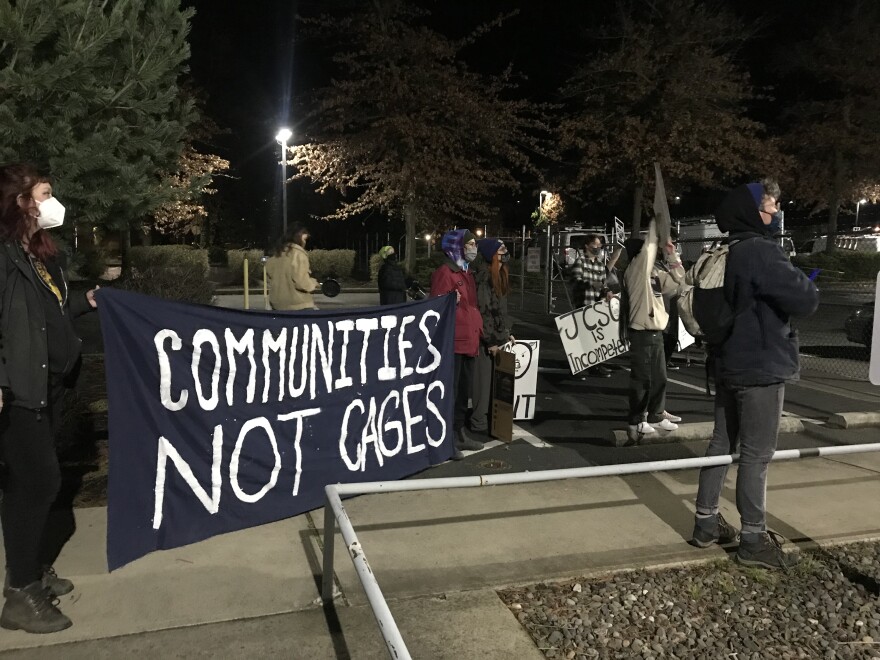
point(288, 272)
point(645, 319)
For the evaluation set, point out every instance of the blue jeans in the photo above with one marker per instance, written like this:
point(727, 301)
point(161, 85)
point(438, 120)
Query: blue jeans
point(747, 421)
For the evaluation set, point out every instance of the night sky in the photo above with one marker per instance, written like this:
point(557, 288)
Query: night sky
point(255, 68)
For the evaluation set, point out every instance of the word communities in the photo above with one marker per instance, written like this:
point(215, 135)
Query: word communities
point(314, 357)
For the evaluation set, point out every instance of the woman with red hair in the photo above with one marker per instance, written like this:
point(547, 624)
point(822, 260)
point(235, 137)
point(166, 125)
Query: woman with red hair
point(39, 353)
point(493, 286)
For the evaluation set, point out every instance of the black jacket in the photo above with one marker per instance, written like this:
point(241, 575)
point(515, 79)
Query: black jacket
point(24, 351)
point(765, 291)
point(392, 284)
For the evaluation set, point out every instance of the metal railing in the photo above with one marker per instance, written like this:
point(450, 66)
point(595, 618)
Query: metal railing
point(387, 626)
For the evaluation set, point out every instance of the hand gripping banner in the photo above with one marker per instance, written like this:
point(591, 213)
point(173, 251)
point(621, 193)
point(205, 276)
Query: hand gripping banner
point(225, 419)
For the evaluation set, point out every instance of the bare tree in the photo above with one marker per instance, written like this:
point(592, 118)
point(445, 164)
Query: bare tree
point(407, 128)
point(663, 86)
point(834, 130)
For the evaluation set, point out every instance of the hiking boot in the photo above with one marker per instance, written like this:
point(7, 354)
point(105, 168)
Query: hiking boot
point(57, 586)
point(765, 552)
point(714, 529)
point(467, 442)
point(664, 425)
point(32, 609)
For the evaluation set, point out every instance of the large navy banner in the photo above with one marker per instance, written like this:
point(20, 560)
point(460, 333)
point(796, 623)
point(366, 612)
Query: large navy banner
point(224, 419)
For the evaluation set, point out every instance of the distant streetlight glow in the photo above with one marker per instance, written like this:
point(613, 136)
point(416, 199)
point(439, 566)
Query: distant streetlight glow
point(283, 136)
point(479, 232)
point(858, 205)
point(427, 237)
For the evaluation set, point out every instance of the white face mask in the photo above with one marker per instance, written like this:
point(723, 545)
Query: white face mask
point(470, 253)
point(51, 214)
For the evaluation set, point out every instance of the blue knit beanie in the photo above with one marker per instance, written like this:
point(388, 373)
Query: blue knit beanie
point(757, 191)
point(487, 248)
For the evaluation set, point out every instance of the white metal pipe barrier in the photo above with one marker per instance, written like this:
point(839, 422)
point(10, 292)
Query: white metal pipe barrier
point(387, 626)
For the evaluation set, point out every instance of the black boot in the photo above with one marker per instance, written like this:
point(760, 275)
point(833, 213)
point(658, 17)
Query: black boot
point(57, 586)
point(31, 609)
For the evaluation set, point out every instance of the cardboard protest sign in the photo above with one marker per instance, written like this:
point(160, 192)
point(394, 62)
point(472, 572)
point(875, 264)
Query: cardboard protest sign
point(591, 334)
point(225, 419)
point(526, 353)
point(661, 207)
point(502, 395)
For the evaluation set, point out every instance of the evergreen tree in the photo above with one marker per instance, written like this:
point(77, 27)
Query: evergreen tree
point(89, 92)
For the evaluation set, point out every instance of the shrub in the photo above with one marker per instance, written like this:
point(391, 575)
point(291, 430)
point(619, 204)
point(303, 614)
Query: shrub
point(89, 262)
point(217, 256)
point(375, 264)
point(331, 263)
point(235, 261)
point(174, 272)
point(845, 265)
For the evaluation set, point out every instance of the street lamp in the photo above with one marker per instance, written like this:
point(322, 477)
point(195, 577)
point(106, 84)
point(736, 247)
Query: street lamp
point(428, 241)
point(283, 136)
point(858, 204)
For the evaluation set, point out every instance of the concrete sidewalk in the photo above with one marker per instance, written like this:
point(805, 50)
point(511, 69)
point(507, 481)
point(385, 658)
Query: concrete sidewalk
point(438, 556)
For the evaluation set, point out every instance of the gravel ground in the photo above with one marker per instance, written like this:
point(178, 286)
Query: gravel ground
point(826, 608)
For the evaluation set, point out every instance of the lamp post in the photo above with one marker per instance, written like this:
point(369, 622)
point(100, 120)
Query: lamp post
point(428, 238)
point(283, 136)
point(858, 204)
point(548, 274)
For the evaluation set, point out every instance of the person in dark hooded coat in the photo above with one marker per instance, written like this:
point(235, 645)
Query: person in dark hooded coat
point(751, 368)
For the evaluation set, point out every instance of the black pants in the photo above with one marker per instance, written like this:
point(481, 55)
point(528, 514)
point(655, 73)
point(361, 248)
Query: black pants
point(462, 386)
point(647, 376)
point(37, 521)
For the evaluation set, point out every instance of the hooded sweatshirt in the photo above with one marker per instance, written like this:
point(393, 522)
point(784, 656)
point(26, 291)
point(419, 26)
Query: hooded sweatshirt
point(645, 283)
point(765, 291)
point(454, 276)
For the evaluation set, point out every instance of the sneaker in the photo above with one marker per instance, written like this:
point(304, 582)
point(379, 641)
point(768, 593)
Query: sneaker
point(32, 609)
point(457, 455)
point(713, 530)
point(467, 442)
point(57, 586)
point(664, 425)
point(675, 419)
point(765, 552)
point(671, 366)
point(600, 371)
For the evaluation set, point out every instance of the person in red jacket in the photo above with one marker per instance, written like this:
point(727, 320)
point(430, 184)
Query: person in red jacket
point(460, 248)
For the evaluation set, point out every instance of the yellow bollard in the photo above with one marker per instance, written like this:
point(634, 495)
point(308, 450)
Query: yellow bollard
point(266, 304)
point(247, 293)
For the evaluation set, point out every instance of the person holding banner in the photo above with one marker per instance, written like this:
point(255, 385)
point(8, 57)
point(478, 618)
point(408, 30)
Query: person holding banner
point(493, 286)
point(643, 319)
point(40, 357)
point(290, 278)
point(460, 248)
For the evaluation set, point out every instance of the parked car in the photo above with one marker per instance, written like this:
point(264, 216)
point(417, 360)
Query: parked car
point(860, 325)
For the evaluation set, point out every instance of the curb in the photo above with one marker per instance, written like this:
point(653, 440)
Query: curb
point(694, 432)
point(854, 420)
